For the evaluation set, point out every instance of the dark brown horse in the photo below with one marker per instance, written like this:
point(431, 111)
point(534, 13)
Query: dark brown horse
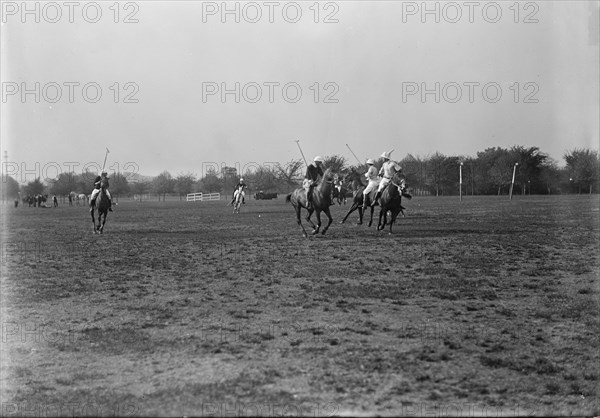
point(320, 203)
point(391, 200)
point(339, 193)
point(101, 205)
point(354, 179)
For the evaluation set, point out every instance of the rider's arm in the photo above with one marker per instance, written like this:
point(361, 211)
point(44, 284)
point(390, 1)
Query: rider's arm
point(308, 174)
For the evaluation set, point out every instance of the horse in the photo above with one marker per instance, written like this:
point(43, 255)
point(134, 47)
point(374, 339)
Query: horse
point(391, 200)
point(29, 200)
point(321, 202)
point(82, 199)
point(101, 205)
point(73, 198)
point(41, 199)
point(237, 202)
point(355, 179)
point(339, 192)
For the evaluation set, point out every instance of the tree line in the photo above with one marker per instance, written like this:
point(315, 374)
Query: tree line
point(488, 172)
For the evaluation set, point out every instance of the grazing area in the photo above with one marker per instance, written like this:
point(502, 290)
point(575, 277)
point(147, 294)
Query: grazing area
point(488, 306)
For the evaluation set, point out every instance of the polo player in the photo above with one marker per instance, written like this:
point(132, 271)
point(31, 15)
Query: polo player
point(387, 171)
point(314, 172)
point(99, 182)
point(239, 188)
point(373, 180)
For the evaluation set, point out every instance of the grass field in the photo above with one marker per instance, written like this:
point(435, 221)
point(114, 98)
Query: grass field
point(486, 307)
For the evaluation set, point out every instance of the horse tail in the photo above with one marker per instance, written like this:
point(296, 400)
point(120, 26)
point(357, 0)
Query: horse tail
point(288, 198)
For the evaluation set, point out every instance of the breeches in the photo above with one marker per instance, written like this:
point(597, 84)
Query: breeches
point(96, 191)
point(371, 186)
point(384, 182)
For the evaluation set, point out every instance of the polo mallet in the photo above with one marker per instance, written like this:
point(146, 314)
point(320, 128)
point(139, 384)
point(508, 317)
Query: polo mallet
point(298, 143)
point(105, 156)
point(359, 163)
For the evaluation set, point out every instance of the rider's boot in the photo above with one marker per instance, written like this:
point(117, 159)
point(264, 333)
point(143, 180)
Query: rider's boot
point(309, 204)
point(365, 200)
point(110, 205)
point(377, 196)
point(92, 203)
point(243, 200)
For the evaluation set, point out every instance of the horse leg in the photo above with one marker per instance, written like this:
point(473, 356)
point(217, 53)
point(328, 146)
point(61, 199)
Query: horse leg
point(382, 214)
point(371, 197)
point(393, 218)
point(308, 215)
point(352, 209)
point(93, 221)
point(328, 213)
point(316, 230)
point(297, 208)
point(371, 219)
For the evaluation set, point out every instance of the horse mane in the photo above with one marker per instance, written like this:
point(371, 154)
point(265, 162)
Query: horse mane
point(398, 176)
point(326, 180)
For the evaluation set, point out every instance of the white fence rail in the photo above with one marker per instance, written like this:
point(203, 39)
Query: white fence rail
point(203, 197)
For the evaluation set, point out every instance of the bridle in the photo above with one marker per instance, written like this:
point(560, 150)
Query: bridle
point(401, 186)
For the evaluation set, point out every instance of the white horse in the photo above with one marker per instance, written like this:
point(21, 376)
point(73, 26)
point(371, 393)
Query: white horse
point(237, 202)
point(82, 199)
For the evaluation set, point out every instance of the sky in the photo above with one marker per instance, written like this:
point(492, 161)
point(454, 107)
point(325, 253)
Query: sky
point(328, 74)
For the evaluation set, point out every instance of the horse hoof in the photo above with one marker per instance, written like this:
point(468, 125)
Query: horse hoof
point(359, 223)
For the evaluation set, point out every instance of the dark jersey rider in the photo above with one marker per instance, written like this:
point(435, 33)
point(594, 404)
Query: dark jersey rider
point(314, 172)
point(99, 182)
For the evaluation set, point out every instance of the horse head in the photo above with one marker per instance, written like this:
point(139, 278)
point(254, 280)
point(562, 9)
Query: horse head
point(328, 176)
point(399, 180)
point(326, 183)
